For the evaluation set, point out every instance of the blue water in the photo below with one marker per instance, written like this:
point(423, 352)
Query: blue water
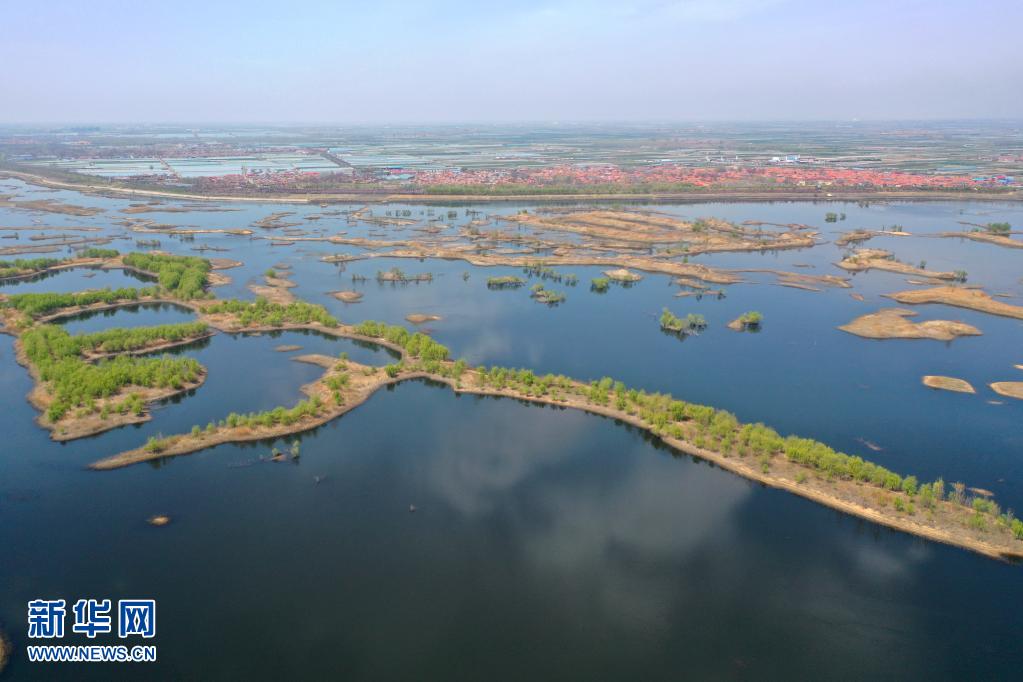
point(545, 543)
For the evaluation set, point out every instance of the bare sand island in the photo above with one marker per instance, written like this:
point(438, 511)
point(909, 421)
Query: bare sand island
point(988, 237)
point(798, 280)
point(879, 259)
point(347, 296)
point(47, 206)
point(948, 384)
point(43, 228)
point(6, 649)
point(701, 236)
point(1010, 389)
point(346, 385)
point(276, 290)
point(469, 254)
point(857, 236)
point(144, 227)
point(622, 275)
point(280, 295)
point(420, 318)
point(224, 263)
point(973, 299)
point(891, 323)
point(162, 208)
point(275, 221)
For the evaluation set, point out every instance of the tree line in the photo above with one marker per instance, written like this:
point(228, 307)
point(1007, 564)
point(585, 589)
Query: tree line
point(263, 312)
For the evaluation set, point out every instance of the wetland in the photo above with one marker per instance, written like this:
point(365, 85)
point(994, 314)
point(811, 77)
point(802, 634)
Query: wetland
point(545, 496)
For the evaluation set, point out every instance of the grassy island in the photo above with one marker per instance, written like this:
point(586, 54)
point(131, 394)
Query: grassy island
point(748, 321)
point(183, 277)
point(263, 313)
point(23, 268)
point(81, 398)
point(623, 275)
point(398, 275)
point(546, 296)
point(505, 282)
point(39, 304)
point(693, 323)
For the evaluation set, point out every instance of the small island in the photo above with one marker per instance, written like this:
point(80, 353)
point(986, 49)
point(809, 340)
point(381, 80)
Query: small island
point(1009, 389)
point(396, 275)
point(546, 296)
point(973, 299)
point(748, 321)
point(421, 318)
point(879, 259)
point(948, 384)
point(891, 323)
point(693, 323)
point(347, 296)
point(623, 275)
point(505, 282)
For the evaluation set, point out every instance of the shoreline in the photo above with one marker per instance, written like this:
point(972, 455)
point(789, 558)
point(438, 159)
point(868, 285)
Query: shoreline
point(185, 444)
point(405, 197)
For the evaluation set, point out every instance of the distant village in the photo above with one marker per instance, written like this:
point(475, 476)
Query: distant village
point(214, 163)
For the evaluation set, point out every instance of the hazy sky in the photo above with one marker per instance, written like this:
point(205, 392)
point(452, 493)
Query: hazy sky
point(471, 60)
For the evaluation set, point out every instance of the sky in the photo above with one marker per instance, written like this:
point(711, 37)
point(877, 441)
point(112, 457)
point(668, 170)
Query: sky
point(386, 61)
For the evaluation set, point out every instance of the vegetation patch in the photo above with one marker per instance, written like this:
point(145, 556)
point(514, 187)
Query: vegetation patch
point(546, 296)
point(693, 323)
point(74, 384)
point(23, 267)
point(183, 277)
point(263, 313)
point(750, 321)
point(398, 275)
point(505, 282)
point(38, 304)
point(623, 275)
